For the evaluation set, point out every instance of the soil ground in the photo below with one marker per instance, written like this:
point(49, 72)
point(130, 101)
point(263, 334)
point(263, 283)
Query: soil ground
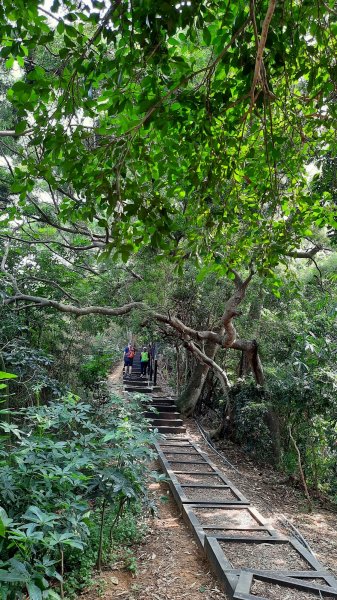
point(170, 566)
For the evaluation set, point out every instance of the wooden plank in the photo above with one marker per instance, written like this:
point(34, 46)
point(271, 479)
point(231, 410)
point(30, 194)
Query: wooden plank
point(250, 540)
point(244, 583)
point(206, 486)
point(299, 584)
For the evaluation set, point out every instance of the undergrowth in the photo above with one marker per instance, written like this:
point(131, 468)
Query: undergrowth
point(120, 551)
point(73, 482)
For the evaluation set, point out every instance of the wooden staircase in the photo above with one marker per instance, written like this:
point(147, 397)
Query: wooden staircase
point(161, 410)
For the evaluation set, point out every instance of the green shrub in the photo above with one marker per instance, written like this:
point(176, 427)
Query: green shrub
point(65, 471)
point(97, 367)
point(250, 409)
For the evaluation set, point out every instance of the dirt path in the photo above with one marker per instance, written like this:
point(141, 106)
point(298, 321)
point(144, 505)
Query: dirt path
point(170, 566)
point(115, 378)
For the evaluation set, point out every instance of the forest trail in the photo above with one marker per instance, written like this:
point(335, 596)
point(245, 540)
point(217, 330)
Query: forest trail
point(170, 564)
point(115, 377)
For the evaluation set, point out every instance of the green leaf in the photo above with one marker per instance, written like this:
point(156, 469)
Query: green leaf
point(9, 62)
point(34, 592)
point(12, 576)
point(4, 375)
point(60, 27)
point(206, 36)
point(4, 521)
point(21, 127)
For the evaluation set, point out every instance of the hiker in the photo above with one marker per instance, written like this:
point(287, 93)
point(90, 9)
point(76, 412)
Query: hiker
point(144, 361)
point(129, 354)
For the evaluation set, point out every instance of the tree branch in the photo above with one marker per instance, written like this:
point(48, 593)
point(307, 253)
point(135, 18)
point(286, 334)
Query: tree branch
point(306, 253)
point(12, 133)
point(133, 273)
point(56, 285)
point(261, 47)
point(231, 308)
point(75, 310)
point(203, 358)
point(67, 246)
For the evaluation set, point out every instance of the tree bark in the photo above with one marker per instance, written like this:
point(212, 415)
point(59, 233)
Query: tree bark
point(223, 336)
point(250, 360)
point(274, 429)
point(188, 399)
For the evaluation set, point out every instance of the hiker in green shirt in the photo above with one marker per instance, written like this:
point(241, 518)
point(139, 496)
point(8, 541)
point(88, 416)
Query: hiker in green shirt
point(144, 361)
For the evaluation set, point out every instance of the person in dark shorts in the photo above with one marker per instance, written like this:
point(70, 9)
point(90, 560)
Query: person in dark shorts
point(144, 361)
point(129, 354)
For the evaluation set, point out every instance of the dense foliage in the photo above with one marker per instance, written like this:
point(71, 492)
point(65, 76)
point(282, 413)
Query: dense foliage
point(151, 120)
point(65, 469)
point(297, 339)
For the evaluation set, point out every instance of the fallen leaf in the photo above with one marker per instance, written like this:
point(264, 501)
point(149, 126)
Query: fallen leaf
point(114, 580)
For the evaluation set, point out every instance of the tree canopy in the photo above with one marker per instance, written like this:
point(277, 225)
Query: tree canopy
point(148, 122)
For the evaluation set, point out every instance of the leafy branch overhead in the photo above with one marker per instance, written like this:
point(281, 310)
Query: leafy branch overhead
point(145, 123)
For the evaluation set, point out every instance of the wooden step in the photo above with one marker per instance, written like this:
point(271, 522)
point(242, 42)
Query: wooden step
point(163, 402)
point(169, 422)
point(137, 382)
point(170, 429)
point(162, 415)
point(138, 390)
point(164, 407)
point(134, 381)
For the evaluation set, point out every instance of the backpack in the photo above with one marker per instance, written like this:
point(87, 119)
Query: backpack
point(131, 353)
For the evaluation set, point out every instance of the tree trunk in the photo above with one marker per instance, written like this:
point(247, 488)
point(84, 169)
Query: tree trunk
point(250, 360)
point(190, 396)
point(274, 428)
point(188, 399)
point(244, 365)
point(256, 365)
point(178, 369)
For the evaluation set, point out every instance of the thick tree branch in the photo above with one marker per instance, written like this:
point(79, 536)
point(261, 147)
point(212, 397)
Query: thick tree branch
point(231, 308)
point(203, 358)
point(187, 334)
point(75, 310)
point(261, 47)
point(306, 253)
